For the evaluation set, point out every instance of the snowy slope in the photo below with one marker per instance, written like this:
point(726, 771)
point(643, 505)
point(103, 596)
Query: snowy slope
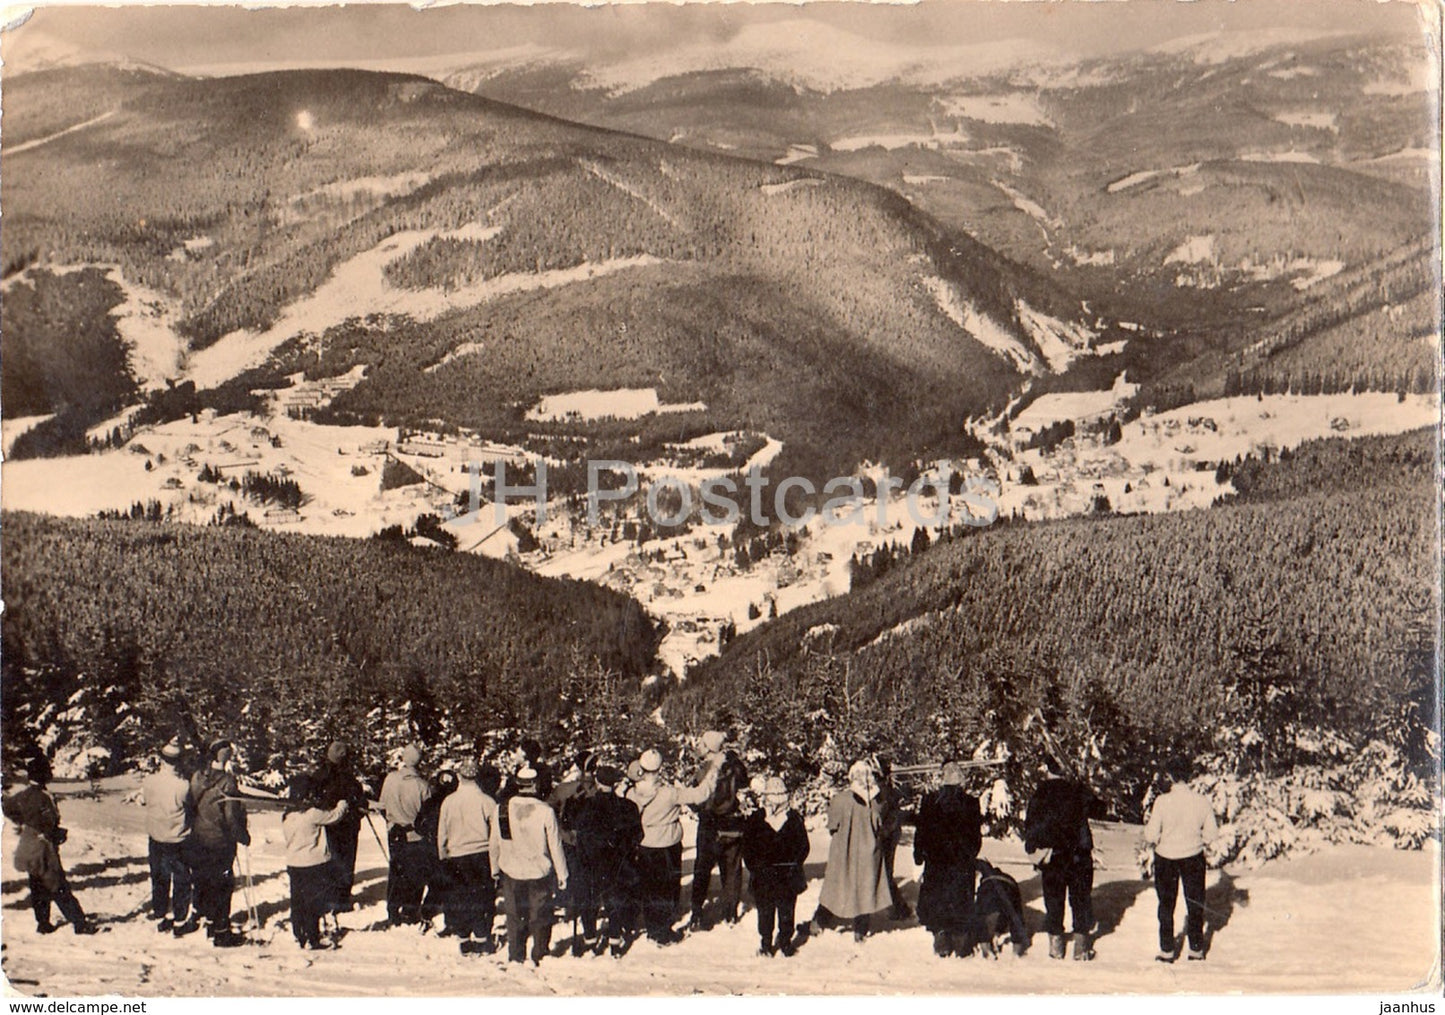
point(1276, 929)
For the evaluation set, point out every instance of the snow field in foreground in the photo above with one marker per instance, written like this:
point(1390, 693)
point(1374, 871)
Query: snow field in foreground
point(1346, 919)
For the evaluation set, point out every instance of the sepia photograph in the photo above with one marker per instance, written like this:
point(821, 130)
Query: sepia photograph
point(672, 499)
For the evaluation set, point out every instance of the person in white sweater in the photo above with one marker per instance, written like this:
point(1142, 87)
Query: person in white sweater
point(169, 809)
point(464, 841)
point(308, 860)
point(527, 847)
point(1180, 827)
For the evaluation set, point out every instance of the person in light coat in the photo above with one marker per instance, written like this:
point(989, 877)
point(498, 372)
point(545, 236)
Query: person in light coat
point(464, 843)
point(527, 844)
point(1180, 827)
point(659, 858)
point(169, 809)
point(402, 794)
point(855, 885)
point(310, 863)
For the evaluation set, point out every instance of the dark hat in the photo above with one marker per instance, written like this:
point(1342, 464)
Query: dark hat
point(302, 787)
point(217, 746)
point(607, 775)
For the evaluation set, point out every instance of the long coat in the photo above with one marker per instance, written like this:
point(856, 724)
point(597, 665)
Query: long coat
point(946, 842)
point(854, 884)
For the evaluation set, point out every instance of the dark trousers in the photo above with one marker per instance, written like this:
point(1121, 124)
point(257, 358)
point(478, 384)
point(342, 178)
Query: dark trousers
point(661, 871)
point(342, 840)
point(170, 881)
point(725, 852)
point(1072, 877)
point(1168, 874)
point(412, 866)
point(313, 893)
point(890, 848)
point(214, 883)
point(781, 906)
point(470, 904)
point(58, 892)
point(529, 913)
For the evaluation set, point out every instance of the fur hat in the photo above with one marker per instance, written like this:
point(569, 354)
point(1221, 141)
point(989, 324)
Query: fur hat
point(651, 761)
point(336, 753)
point(713, 740)
point(411, 755)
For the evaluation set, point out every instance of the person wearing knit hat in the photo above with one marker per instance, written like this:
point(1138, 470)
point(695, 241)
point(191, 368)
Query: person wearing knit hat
point(335, 780)
point(946, 845)
point(464, 842)
point(719, 831)
point(402, 795)
point(659, 857)
point(635, 771)
point(855, 885)
point(526, 846)
point(218, 828)
point(167, 796)
point(775, 846)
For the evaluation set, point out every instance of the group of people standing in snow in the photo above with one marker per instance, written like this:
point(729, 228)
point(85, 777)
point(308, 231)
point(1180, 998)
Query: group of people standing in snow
point(607, 840)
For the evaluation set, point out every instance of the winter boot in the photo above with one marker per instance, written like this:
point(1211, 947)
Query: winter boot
point(1083, 948)
point(1058, 946)
point(1196, 955)
point(1165, 955)
point(942, 944)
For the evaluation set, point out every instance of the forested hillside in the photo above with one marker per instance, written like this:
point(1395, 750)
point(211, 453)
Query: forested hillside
point(119, 634)
point(776, 296)
point(1309, 605)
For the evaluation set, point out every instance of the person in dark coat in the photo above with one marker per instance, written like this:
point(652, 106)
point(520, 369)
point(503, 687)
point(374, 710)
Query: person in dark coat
point(1056, 832)
point(37, 853)
point(719, 831)
point(425, 860)
point(608, 828)
point(775, 846)
point(335, 781)
point(218, 827)
point(999, 904)
point(890, 833)
point(568, 800)
point(946, 844)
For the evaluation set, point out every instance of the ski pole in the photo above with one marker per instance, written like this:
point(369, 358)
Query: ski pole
point(250, 888)
point(377, 836)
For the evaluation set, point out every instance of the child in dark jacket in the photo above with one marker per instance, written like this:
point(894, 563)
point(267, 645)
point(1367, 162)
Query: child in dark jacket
point(37, 853)
point(775, 845)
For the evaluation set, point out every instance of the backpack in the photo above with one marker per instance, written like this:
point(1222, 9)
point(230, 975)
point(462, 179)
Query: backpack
point(731, 777)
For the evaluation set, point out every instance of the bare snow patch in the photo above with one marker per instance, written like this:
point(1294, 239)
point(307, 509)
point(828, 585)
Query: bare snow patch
point(1195, 250)
point(368, 186)
point(798, 153)
point(787, 185)
point(914, 180)
point(1060, 342)
point(620, 403)
point(13, 428)
point(982, 327)
point(1305, 118)
point(1291, 156)
point(1074, 405)
point(1145, 175)
point(1003, 107)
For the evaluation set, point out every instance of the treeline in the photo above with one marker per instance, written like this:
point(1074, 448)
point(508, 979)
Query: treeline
point(62, 355)
point(1127, 632)
point(258, 634)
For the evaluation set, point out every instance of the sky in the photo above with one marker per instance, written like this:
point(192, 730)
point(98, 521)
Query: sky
point(197, 36)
